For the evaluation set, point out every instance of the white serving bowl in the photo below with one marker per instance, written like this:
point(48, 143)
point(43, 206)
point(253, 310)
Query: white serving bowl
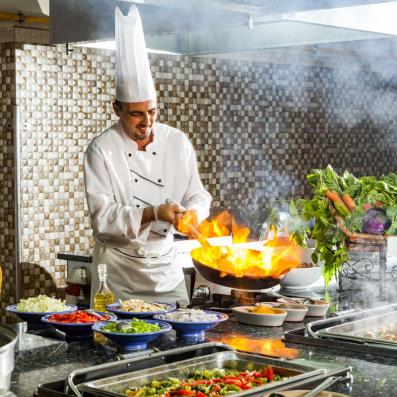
point(301, 278)
point(244, 315)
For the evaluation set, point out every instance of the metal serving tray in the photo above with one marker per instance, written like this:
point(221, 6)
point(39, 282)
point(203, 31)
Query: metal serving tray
point(115, 386)
point(355, 330)
point(310, 335)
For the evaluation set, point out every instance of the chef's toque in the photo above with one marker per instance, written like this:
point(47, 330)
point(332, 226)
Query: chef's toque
point(134, 81)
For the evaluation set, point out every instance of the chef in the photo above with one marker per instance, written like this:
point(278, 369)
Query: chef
point(140, 176)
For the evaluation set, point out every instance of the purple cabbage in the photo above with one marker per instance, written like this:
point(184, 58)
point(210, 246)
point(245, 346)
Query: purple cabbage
point(375, 221)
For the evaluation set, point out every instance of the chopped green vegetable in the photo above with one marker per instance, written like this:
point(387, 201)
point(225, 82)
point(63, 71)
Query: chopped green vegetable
point(135, 326)
point(207, 383)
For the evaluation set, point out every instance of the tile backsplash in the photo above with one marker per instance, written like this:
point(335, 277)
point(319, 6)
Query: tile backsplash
point(258, 129)
point(7, 190)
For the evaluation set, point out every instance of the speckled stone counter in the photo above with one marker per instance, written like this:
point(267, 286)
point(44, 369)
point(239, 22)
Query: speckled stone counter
point(373, 375)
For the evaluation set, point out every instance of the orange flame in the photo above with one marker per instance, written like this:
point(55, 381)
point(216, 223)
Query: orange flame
point(276, 258)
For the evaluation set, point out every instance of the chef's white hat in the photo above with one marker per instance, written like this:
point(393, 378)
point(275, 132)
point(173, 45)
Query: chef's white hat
point(134, 81)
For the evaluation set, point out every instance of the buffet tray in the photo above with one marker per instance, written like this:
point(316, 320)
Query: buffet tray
point(116, 385)
point(94, 381)
point(355, 330)
point(312, 334)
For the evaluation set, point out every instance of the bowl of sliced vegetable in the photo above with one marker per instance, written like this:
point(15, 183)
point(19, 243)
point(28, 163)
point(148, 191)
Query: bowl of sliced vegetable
point(138, 308)
point(77, 324)
point(33, 309)
point(134, 334)
point(192, 323)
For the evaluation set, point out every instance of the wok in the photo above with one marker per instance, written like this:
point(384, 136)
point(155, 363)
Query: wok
point(231, 281)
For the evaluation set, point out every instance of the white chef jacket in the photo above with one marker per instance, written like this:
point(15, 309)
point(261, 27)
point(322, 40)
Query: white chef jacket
point(121, 181)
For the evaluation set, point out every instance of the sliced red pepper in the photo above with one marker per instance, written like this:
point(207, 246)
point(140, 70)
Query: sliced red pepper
point(270, 373)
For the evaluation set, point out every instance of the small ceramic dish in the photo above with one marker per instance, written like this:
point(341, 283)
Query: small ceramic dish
point(295, 311)
point(317, 309)
point(245, 315)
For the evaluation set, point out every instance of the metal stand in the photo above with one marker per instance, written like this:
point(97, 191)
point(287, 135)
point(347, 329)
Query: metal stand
point(365, 269)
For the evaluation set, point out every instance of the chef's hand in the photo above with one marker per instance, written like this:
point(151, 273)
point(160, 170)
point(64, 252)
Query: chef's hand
point(170, 212)
point(187, 223)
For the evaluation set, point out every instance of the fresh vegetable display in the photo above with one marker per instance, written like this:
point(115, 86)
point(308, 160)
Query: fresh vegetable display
point(366, 205)
point(42, 304)
point(207, 383)
point(135, 326)
point(78, 317)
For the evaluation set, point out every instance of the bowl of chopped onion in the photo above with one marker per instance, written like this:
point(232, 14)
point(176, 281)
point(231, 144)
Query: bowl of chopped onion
point(139, 308)
point(134, 334)
point(192, 323)
point(33, 309)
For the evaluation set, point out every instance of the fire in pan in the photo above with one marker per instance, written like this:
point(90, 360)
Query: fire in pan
point(231, 281)
point(246, 269)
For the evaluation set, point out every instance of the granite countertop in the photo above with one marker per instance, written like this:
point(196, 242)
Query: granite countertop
point(38, 363)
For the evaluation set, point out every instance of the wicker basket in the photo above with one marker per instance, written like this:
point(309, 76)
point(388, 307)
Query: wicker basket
point(357, 238)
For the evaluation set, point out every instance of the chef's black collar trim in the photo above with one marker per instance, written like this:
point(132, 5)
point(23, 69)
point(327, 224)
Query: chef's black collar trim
point(147, 179)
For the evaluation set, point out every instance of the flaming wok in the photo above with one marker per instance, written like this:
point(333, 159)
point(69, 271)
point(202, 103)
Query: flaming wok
point(237, 266)
point(247, 269)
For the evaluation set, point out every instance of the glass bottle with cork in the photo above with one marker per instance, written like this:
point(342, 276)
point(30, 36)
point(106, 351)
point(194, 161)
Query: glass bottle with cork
point(103, 297)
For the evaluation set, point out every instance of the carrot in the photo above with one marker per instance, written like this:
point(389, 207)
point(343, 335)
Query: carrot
point(337, 201)
point(332, 195)
point(349, 202)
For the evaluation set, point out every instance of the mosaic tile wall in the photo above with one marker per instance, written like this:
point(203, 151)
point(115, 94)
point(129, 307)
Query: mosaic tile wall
point(7, 98)
point(257, 127)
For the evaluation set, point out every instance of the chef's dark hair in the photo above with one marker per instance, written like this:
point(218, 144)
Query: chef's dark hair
point(118, 104)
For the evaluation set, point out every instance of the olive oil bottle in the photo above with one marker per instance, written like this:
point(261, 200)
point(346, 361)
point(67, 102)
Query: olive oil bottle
point(102, 298)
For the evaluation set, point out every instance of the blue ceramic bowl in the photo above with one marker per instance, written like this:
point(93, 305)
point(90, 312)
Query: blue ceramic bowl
point(130, 342)
point(35, 317)
point(115, 308)
point(193, 330)
point(75, 329)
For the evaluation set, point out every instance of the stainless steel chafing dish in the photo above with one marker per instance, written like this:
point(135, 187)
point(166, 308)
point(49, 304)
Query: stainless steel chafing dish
point(358, 330)
point(299, 373)
point(350, 330)
point(8, 339)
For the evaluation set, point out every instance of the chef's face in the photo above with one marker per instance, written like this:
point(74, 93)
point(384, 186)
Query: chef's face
point(136, 118)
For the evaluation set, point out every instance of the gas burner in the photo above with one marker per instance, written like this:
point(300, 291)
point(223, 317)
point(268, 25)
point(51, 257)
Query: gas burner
point(203, 299)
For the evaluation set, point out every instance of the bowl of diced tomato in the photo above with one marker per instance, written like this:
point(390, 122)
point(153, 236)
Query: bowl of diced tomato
point(78, 323)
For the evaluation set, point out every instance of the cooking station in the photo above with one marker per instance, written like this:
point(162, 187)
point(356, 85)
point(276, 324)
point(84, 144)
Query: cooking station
point(374, 372)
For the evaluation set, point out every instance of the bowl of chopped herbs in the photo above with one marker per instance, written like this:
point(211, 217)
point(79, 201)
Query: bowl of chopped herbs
point(134, 334)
